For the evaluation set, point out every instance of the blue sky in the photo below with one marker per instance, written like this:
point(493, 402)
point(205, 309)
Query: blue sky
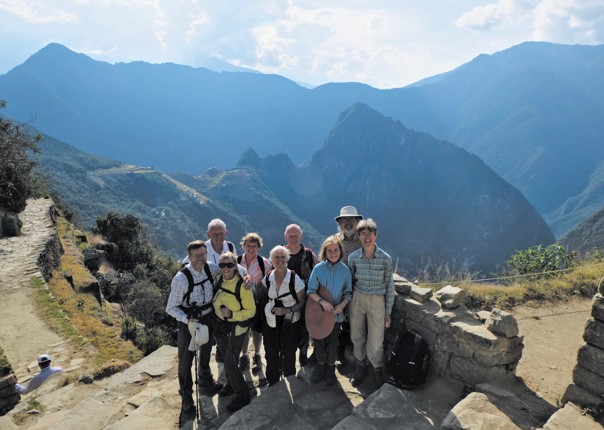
point(384, 43)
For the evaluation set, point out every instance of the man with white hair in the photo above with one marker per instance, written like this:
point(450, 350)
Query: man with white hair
point(217, 243)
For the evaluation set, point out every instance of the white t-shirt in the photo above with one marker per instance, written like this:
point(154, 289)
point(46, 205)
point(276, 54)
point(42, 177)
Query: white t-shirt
point(213, 256)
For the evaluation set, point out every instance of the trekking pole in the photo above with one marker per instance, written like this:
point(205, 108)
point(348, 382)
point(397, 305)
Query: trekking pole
point(198, 400)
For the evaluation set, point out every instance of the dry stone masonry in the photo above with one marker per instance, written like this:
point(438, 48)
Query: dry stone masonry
point(587, 389)
point(462, 346)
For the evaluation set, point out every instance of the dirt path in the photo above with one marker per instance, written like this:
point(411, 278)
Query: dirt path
point(23, 335)
point(553, 335)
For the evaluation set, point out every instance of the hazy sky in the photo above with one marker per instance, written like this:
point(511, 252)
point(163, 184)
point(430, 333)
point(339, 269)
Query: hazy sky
point(384, 43)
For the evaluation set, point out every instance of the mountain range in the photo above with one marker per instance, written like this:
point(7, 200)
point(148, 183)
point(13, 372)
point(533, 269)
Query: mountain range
point(531, 112)
point(435, 203)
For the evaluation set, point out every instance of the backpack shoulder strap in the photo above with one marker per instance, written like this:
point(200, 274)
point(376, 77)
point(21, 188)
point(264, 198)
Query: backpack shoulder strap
point(239, 259)
point(292, 284)
point(206, 269)
point(309, 258)
point(186, 298)
point(237, 292)
point(261, 264)
point(231, 246)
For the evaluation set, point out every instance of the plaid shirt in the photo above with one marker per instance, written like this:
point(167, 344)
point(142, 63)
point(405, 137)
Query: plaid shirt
point(201, 294)
point(373, 275)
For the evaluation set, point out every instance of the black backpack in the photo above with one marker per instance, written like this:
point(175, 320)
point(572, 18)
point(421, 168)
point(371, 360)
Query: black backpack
point(292, 285)
point(408, 362)
point(192, 284)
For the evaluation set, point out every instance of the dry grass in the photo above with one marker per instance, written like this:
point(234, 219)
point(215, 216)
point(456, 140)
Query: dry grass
point(580, 282)
point(76, 314)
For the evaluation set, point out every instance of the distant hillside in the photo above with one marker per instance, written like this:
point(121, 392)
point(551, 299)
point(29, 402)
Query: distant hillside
point(92, 186)
point(532, 113)
point(176, 213)
point(432, 201)
point(588, 236)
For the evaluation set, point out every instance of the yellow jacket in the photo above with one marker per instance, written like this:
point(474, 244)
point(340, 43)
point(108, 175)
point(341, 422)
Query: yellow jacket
point(231, 302)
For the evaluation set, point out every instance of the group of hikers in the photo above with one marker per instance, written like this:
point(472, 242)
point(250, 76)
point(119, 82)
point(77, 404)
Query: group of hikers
point(286, 301)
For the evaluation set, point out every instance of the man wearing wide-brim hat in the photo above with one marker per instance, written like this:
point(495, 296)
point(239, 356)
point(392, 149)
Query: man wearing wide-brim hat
point(347, 224)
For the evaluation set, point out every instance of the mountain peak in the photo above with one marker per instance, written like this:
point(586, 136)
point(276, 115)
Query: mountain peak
point(55, 55)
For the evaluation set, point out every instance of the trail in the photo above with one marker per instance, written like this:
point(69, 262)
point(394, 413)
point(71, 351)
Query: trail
point(23, 335)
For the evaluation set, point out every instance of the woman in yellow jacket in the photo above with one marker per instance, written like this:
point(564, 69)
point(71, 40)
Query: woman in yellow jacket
point(234, 307)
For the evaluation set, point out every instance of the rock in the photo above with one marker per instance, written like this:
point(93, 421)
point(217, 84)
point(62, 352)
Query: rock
point(450, 297)
point(402, 285)
point(421, 295)
point(10, 224)
point(477, 412)
point(483, 315)
point(502, 323)
point(585, 399)
point(570, 417)
point(93, 258)
point(601, 286)
point(597, 309)
point(592, 359)
point(594, 333)
point(86, 378)
point(588, 380)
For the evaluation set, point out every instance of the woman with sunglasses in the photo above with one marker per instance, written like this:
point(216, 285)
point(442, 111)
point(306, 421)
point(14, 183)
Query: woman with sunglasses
point(234, 306)
point(282, 330)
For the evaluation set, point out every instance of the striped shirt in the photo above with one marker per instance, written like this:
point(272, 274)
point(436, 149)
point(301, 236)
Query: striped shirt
point(373, 275)
point(336, 278)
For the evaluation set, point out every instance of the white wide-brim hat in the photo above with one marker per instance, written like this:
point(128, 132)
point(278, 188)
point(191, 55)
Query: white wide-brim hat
point(348, 212)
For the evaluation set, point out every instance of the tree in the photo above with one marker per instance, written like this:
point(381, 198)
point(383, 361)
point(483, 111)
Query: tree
point(134, 244)
point(16, 169)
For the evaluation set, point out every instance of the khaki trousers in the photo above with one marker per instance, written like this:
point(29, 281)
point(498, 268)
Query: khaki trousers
point(367, 312)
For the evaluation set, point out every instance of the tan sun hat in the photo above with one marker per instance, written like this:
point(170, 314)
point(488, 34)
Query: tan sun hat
point(348, 212)
point(318, 322)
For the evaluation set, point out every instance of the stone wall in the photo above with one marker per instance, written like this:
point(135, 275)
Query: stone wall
point(50, 257)
point(587, 388)
point(463, 346)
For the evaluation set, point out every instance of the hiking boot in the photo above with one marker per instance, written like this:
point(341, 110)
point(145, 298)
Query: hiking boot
point(244, 362)
point(318, 374)
point(226, 391)
point(330, 375)
point(257, 363)
point(186, 416)
point(188, 405)
point(210, 388)
point(359, 375)
point(378, 377)
point(237, 403)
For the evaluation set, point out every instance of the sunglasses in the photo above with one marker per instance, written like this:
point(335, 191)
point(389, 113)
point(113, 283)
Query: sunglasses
point(226, 265)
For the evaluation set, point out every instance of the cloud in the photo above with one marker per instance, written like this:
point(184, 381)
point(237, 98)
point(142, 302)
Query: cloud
point(37, 12)
point(504, 12)
point(570, 21)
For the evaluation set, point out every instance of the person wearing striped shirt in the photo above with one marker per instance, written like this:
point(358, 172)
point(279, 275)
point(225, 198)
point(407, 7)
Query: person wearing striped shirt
point(372, 302)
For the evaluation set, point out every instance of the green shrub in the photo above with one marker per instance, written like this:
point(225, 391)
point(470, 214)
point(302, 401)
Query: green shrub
point(538, 260)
